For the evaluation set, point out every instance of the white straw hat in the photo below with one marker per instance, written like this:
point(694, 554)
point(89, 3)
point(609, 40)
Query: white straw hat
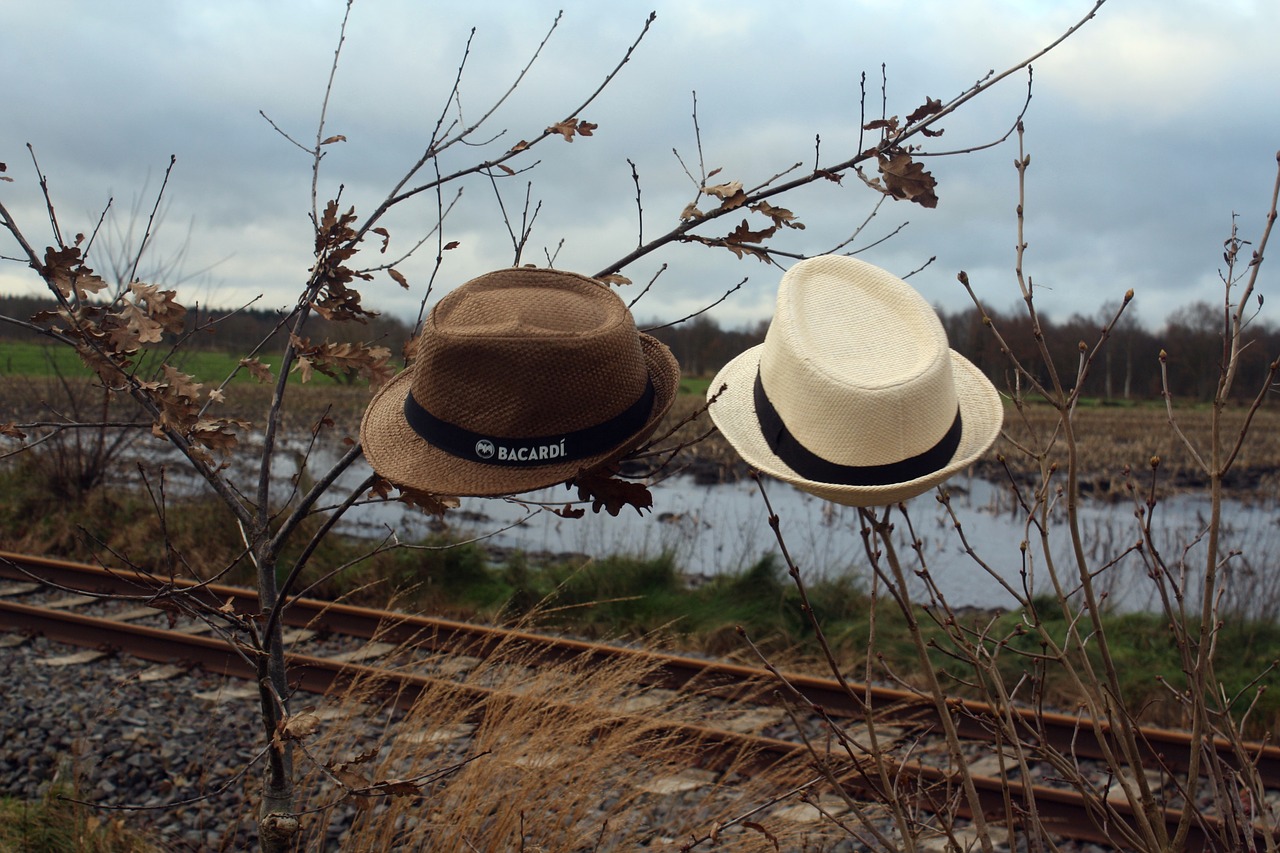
point(855, 395)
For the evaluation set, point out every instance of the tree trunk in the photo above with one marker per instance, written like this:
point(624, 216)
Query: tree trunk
point(277, 824)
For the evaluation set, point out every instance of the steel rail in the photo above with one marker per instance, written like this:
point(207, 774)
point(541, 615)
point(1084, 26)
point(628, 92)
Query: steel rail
point(1078, 737)
point(1065, 812)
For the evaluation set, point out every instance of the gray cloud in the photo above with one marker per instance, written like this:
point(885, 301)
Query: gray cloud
point(1147, 130)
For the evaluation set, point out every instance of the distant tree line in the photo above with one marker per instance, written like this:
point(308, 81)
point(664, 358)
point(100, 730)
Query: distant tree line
point(1128, 367)
point(233, 331)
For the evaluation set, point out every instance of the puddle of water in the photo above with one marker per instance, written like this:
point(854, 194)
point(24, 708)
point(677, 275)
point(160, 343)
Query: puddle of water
point(724, 528)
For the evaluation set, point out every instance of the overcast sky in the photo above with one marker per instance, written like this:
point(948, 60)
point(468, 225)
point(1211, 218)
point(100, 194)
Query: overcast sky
point(1148, 129)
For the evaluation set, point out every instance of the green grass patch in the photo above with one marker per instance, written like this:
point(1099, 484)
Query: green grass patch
point(696, 385)
point(53, 824)
point(211, 367)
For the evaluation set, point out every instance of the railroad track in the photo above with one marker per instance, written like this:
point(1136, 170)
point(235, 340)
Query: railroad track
point(895, 713)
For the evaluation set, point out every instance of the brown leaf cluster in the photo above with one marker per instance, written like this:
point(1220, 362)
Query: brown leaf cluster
point(907, 179)
point(607, 492)
point(730, 194)
point(569, 128)
point(743, 240)
point(259, 371)
point(107, 334)
point(65, 270)
point(429, 503)
point(901, 177)
point(342, 360)
point(177, 397)
point(891, 127)
point(144, 315)
point(337, 243)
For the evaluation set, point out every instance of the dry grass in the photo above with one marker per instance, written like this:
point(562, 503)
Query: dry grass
point(565, 758)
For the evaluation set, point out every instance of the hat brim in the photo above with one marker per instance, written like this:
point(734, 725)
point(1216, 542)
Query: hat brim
point(734, 414)
point(400, 455)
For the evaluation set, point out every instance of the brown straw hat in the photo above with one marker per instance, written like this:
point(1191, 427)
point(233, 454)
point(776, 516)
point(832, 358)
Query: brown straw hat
point(522, 378)
point(855, 395)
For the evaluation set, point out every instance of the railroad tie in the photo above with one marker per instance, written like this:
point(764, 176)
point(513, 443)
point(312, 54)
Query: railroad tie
point(689, 779)
point(369, 651)
point(74, 659)
point(825, 805)
point(966, 837)
point(70, 602)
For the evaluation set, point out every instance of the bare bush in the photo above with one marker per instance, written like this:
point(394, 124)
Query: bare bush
point(128, 333)
point(1061, 649)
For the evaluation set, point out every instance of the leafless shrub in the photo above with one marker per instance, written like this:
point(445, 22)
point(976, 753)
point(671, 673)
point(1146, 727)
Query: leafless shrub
point(126, 331)
point(1059, 651)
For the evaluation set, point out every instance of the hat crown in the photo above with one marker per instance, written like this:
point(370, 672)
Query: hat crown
point(857, 364)
point(528, 352)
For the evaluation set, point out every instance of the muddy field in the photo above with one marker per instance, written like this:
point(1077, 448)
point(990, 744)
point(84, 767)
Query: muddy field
point(1114, 444)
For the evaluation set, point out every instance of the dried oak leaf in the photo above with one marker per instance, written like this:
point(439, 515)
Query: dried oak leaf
point(350, 778)
point(398, 277)
point(744, 234)
point(216, 435)
point(759, 827)
point(65, 270)
point(354, 782)
point(907, 179)
point(133, 327)
point(183, 384)
point(10, 430)
point(614, 278)
point(109, 368)
point(302, 367)
point(398, 788)
point(426, 501)
point(691, 211)
point(161, 306)
point(571, 127)
point(741, 250)
point(890, 124)
point(299, 726)
point(780, 215)
point(380, 488)
point(931, 106)
point(566, 128)
point(730, 194)
point(258, 370)
point(611, 494)
point(343, 360)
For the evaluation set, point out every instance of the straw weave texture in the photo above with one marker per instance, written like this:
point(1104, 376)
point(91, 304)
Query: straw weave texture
point(519, 353)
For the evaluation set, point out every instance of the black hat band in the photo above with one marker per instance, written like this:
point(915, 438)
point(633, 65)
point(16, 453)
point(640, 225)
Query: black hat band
point(525, 452)
point(809, 465)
